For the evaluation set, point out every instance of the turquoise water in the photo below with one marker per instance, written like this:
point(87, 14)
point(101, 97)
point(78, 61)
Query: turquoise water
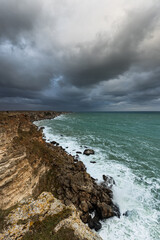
point(127, 147)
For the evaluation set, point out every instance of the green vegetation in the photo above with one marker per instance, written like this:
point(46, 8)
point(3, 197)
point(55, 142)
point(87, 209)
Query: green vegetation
point(45, 229)
point(38, 152)
point(3, 215)
point(62, 234)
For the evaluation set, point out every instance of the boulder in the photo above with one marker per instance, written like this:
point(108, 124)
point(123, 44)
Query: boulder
point(94, 223)
point(79, 152)
point(54, 143)
point(88, 151)
point(108, 181)
point(84, 206)
point(128, 213)
point(105, 211)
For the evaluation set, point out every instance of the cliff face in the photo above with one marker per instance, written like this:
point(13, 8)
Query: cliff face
point(20, 167)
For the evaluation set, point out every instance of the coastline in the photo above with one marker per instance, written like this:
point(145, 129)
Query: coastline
point(57, 171)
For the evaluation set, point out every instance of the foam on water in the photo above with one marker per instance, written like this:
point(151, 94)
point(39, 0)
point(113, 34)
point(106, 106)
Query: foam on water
point(132, 193)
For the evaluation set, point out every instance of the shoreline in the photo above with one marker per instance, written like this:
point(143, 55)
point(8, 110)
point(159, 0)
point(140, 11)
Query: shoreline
point(58, 172)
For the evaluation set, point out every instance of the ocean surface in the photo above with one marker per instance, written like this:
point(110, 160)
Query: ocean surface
point(127, 147)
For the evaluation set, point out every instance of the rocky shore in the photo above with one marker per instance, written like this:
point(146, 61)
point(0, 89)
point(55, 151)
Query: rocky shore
point(32, 169)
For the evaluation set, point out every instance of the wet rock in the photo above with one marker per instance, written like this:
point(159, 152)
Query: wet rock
point(104, 177)
point(91, 223)
point(77, 156)
point(79, 152)
point(94, 223)
point(54, 143)
point(85, 217)
point(109, 181)
point(88, 152)
point(116, 210)
point(97, 224)
point(127, 213)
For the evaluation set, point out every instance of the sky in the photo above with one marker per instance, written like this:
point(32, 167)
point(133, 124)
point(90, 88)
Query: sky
point(80, 55)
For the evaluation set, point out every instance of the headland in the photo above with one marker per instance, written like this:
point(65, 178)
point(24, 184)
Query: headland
point(42, 186)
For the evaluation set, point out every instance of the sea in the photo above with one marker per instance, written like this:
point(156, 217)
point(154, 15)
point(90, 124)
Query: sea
point(127, 148)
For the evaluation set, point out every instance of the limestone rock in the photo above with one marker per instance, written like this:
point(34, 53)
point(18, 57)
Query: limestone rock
point(19, 171)
point(22, 219)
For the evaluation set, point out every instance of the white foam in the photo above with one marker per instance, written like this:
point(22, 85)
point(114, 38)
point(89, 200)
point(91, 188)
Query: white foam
point(129, 194)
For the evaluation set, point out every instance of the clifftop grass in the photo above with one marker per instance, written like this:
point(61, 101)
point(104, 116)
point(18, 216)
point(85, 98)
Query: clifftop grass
point(45, 229)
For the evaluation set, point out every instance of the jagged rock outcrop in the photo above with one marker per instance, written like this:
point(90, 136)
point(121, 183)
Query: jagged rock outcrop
point(45, 218)
point(75, 185)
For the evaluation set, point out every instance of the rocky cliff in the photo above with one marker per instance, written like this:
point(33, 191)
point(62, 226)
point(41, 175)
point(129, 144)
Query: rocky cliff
point(20, 166)
point(29, 166)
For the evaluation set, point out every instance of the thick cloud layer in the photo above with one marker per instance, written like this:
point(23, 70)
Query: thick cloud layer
point(80, 55)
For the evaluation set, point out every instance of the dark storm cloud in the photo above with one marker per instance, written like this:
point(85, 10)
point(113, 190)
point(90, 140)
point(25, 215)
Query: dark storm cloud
point(17, 18)
point(45, 62)
point(24, 71)
point(22, 64)
point(106, 59)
